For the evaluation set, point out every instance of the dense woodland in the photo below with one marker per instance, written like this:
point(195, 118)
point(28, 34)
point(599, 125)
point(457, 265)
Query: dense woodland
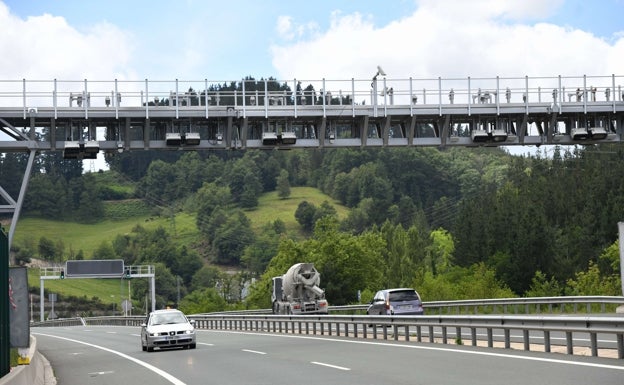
point(454, 223)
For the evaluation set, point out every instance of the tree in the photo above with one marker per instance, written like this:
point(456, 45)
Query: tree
point(206, 300)
point(283, 186)
point(104, 251)
point(305, 215)
point(210, 197)
point(47, 250)
point(257, 255)
point(251, 190)
point(231, 238)
point(206, 277)
point(440, 251)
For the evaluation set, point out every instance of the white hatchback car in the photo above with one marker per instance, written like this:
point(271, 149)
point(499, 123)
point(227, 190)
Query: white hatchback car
point(167, 329)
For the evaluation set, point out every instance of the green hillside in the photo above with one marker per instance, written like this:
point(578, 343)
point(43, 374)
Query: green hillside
point(271, 207)
point(87, 237)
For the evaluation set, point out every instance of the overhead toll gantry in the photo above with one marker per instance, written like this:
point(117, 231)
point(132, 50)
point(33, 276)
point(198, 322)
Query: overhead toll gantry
point(82, 117)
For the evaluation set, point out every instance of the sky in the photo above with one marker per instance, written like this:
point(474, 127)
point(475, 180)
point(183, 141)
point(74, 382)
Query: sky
point(337, 39)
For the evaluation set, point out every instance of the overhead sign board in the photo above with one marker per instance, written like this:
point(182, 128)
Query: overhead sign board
point(104, 268)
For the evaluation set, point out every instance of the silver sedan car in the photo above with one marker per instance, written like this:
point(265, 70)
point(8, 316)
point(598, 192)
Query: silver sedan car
point(167, 329)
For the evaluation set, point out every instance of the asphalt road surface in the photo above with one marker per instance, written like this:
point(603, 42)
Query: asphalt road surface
point(113, 355)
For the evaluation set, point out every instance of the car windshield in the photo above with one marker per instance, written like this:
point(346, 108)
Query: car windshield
point(171, 318)
point(404, 295)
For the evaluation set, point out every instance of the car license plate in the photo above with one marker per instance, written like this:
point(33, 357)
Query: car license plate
point(405, 307)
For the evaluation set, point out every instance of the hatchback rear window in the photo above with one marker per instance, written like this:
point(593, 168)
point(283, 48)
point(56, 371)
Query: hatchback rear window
point(404, 295)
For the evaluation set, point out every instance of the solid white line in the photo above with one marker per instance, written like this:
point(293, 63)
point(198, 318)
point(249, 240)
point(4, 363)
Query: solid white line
point(203, 343)
point(252, 351)
point(329, 366)
point(445, 349)
point(154, 369)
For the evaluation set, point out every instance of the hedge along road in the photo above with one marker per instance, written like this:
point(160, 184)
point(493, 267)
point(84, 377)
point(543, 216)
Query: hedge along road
point(112, 355)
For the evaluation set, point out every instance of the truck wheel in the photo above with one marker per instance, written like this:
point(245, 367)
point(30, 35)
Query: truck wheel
point(275, 308)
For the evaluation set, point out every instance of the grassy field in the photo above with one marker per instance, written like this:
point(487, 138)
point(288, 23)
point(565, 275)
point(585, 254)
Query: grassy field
point(87, 237)
point(108, 291)
point(182, 227)
point(271, 207)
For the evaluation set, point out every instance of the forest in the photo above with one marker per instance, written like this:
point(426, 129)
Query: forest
point(454, 223)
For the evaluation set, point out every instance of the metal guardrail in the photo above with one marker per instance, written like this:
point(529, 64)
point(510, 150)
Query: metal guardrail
point(426, 328)
point(409, 328)
point(91, 95)
point(528, 305)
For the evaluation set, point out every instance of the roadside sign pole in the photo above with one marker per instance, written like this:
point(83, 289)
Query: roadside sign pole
point(621, 244)
point(5, 344)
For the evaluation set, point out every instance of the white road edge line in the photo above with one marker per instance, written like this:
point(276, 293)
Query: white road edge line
point(154, 369)
point(421, 347)
point(252, 351)
point(329, 365)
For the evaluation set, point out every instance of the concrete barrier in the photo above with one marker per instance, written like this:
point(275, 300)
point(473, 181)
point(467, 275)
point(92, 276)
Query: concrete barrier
point(38, 372)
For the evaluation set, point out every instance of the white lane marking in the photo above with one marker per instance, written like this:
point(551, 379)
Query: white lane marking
point(135, 335)
point(204, 343)
point(111, 332)
point(252, 351)
point(93, 374)
point(329, 365)
point(441, 349)
point(154, 369)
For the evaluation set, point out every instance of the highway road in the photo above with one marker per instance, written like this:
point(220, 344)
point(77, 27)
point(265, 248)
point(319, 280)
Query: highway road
point(112, 355)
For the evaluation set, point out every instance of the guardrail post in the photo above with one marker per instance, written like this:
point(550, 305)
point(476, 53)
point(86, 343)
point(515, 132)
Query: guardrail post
point(546, 341)
point(594, 344)
point(490, 339)
point(473, 336)
point(418, 333)
point(525, 337)
point(395, 332)
point(620, 345)
point(407, 336)
point(569, 345)
point(431, 336)
point(507, 338)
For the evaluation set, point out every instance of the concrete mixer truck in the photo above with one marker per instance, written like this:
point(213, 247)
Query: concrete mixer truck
point(298, 291)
